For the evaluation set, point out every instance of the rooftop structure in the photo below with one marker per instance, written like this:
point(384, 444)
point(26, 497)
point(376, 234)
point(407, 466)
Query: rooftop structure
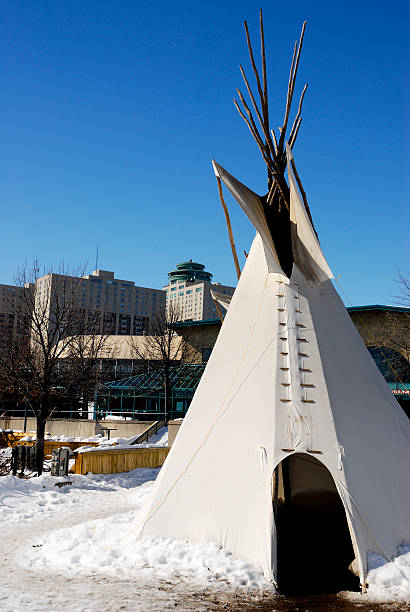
point(190, 271)
point(189, 292)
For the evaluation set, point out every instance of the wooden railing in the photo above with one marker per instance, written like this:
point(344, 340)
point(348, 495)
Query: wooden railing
point(12, 438)
point(49, 445)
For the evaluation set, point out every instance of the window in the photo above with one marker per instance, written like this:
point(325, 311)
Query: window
point(198, 289)
point(189, 291)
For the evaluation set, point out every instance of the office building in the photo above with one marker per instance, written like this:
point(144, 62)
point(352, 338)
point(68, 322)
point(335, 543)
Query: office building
point(122, 307)
point(11, 298)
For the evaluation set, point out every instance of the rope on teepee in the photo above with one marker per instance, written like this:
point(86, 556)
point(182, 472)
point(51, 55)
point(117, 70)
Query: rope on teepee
point(218, 415)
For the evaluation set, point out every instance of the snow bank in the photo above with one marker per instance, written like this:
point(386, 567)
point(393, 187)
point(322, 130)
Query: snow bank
point(109, 546)
point(27, 500)
point(389, 581)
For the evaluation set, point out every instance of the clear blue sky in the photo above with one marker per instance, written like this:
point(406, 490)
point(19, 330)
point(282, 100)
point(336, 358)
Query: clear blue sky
point(111, 111)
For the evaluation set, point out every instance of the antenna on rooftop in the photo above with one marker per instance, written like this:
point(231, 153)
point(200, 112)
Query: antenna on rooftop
point(96, 258)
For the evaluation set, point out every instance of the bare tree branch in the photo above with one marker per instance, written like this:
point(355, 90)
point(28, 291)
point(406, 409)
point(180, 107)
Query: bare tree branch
point(163, 350)
point(403, 284)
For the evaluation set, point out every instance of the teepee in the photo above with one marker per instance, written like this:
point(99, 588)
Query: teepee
point(291, 418)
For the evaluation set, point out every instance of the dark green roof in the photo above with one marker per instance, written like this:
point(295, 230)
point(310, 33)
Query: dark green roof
point(196, 323)
point(190, 271)
point(378, 307)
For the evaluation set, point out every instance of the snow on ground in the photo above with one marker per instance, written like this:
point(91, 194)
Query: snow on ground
point(76, 546)
point(109, 545)
point(28, 500)
point(388, 580)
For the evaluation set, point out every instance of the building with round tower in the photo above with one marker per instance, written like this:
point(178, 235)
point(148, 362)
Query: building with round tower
point(189, 292)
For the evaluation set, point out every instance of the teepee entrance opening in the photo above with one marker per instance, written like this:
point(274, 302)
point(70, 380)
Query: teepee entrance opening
point(314, 548)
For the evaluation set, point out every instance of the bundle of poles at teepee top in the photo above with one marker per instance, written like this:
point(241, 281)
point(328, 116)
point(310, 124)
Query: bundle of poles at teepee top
point(276, 202)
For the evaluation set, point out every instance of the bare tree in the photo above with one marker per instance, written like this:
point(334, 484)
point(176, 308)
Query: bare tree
point(397, 330)
point(403, 284)
point(82, 361)
point(398, 337)
point(163, 350)
point(48, 326)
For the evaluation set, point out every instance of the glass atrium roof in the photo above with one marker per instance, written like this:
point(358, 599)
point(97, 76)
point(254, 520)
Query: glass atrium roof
point(183, 378)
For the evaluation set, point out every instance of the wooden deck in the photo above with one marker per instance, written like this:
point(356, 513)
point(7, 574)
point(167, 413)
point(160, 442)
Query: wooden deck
point(121, 460)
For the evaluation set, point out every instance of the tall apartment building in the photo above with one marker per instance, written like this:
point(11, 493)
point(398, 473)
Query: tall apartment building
point(189, 291)
point(10, 301)
point(122, 307)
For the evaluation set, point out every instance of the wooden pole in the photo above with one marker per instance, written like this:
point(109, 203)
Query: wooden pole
point(229, 226)
point(218, 310)
point(303, 193)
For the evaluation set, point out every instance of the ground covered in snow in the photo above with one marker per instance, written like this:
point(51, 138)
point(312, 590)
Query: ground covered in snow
point(75, 546)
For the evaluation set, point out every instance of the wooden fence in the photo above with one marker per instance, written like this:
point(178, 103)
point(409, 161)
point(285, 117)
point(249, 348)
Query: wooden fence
point(121, 460)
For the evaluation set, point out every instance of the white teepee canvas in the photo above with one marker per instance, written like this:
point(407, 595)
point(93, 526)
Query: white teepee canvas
point(289, 376)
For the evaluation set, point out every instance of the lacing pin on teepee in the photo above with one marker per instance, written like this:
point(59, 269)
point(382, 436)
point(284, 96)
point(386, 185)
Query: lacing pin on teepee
point(286, 383)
